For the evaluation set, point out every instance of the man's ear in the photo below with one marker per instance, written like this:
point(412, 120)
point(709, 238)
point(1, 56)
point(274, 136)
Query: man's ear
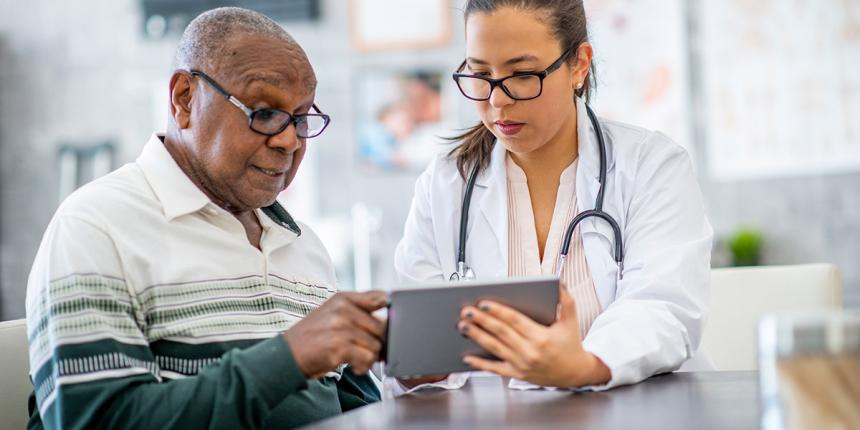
point(181, 92)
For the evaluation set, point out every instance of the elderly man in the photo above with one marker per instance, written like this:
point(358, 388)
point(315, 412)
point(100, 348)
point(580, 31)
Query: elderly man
point(176, 292)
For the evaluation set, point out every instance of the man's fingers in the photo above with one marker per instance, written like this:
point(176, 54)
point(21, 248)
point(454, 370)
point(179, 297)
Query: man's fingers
point(368, 300)
point(360, 359)
point(365, 340)
point(367, 322)
point(357, 319)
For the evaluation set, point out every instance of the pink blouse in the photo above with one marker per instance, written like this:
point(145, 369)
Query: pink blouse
point(523, 255)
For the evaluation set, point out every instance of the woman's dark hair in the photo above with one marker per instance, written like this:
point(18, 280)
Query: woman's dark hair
point(566, 19)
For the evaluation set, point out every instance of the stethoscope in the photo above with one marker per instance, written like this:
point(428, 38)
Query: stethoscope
point(464, 272)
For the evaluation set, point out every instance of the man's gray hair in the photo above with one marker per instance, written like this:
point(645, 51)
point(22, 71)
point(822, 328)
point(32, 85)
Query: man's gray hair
point(204, 42)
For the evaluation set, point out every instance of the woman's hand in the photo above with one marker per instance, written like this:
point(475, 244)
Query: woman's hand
point(549, 356)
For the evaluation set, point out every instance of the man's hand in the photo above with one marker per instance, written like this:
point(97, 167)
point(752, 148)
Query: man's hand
point(342, 330)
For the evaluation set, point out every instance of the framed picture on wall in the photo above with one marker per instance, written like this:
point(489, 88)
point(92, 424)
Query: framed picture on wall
point(384, 25)
point(402, 117)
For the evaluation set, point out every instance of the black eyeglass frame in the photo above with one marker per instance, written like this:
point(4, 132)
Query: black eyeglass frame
point(294, 119)
point(499, 82)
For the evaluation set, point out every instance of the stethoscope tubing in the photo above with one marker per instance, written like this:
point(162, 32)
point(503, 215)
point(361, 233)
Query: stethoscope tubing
point(463, 270)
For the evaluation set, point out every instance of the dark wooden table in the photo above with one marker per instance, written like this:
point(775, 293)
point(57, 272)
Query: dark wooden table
point(702, 400)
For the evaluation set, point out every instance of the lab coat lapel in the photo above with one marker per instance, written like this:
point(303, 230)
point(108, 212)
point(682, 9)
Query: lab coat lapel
point(588, 170)
point(490, 257)
point(597, 236)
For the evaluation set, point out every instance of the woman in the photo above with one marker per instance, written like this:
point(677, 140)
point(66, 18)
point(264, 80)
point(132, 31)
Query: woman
point(538, 159)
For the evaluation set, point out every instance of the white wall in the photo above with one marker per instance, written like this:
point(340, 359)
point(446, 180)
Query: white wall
point(78, 71)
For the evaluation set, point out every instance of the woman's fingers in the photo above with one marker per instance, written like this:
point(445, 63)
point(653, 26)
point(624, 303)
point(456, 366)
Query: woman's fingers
point(498, 328)
point(523, 325)
point(566, 305)
point(490, 342)
point(498, 367)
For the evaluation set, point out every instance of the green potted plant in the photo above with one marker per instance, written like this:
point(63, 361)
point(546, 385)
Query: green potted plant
point(745, 246)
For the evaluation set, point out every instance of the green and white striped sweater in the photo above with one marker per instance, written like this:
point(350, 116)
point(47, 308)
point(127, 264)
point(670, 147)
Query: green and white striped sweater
point(147, 308)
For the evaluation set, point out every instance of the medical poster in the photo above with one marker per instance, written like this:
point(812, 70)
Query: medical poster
point(781, 87)
point(640, 55)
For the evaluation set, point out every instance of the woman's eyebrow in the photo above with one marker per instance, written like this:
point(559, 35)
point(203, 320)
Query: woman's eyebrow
point(512, 61)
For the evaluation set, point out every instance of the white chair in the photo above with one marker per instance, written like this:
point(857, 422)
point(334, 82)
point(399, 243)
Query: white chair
point(14, 378)
point(741, 296)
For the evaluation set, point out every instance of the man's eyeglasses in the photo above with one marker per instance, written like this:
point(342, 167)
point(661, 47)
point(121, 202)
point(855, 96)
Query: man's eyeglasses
point(270, 121)
point(519, 86)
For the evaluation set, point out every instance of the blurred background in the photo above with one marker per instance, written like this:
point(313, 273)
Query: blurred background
point(765, 95)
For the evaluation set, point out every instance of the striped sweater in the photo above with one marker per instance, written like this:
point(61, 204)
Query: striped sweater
point(148, 308)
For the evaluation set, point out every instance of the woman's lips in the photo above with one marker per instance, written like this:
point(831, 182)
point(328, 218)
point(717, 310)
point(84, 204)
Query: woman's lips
point(509, 128)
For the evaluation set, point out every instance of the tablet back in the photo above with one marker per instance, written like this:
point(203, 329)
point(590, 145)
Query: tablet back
point(422, 337)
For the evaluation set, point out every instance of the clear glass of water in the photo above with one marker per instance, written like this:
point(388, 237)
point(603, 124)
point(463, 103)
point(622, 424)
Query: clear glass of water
point(810, 370)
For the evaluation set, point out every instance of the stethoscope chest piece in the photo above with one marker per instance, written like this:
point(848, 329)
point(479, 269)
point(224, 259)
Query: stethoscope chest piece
point(463, 273)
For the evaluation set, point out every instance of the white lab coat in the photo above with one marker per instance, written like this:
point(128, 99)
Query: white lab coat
point(651, 320)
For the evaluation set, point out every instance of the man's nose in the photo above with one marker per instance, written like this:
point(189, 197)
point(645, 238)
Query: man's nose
point(287, 140)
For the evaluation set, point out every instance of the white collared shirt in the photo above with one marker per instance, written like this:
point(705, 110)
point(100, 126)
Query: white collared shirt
point(175, 271)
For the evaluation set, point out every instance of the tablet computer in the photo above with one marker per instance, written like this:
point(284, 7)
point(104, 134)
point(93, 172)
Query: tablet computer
point(422, 336)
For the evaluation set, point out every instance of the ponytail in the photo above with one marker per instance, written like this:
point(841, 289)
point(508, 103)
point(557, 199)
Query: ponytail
point(475, 147)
